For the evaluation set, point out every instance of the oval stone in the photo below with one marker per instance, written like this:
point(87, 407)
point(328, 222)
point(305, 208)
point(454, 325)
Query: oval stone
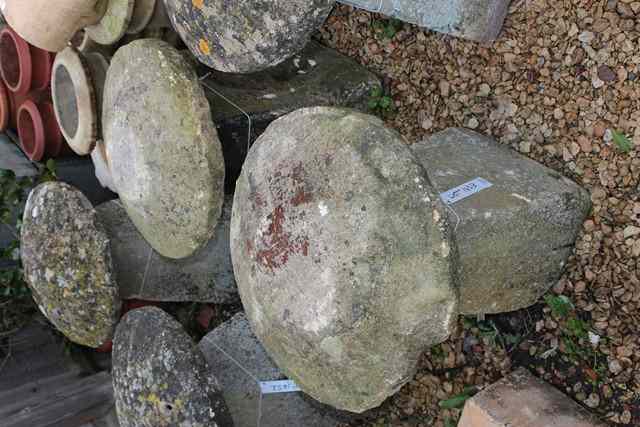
point(67, 263)
point(160, 377)
point(342, 255)
point(162, 147)
point(243, 36)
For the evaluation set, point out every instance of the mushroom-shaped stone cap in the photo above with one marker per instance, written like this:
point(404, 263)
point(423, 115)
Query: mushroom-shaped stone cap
point(162, 146)
point(340, 245)
point(160, 377)
point(67, 263)
point(114, 23)
point(243, 36)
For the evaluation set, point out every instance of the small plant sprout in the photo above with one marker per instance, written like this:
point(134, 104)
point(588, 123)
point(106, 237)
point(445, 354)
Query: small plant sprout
point(380, 102)
point(623, 143)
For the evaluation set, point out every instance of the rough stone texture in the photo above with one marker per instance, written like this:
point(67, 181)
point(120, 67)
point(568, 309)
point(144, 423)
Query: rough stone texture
point(249, 35)
point(342, 255)
point(143, 11)
point(67, 264)
point(114, 23)
point(160, 377)
point(523, 400)
point(234, 342)
point(317, 76)
point(206, 276)
point(162, 147)
point(479, 20)
point(514, 238)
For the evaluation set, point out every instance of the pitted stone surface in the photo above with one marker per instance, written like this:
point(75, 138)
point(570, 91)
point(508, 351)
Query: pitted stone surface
point(243, 36)
point(206, 276)
point(232, 344)
point(479, 20)
point(160, 377)
point(114, 23)
point(162, 147)
point(342, 255)
point(514, 238)
point(67, 263)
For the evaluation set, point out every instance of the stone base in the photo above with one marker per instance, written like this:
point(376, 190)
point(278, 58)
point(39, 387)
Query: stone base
point(318, 76)
point(513, 238)
point(234, 342)
point(479, 20)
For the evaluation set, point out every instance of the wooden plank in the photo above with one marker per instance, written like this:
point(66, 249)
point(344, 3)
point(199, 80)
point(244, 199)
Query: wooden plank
point(88, 400)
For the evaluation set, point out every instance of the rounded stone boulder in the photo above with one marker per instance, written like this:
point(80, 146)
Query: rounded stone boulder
point(342, 255)
point(160, 377)
point(241, 36)
point(162, 147)
point(67, 264)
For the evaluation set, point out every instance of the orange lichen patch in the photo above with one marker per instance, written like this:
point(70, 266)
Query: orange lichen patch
point(204, 46)
point(198, 4)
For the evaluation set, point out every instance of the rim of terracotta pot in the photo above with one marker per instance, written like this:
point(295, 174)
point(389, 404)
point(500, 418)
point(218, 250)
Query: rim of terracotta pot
point(31, 130)
point(15, 61)
point(74, 101)
point(54, 141)
point(5, 107)
point(114, 23)
point(41, 67)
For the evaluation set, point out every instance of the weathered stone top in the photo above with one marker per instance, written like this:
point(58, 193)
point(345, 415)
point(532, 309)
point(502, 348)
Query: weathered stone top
point(67, 263)
point(114, 23)
point(162, 147)
point(160, 377)
point(243, 36)
point(341, 246)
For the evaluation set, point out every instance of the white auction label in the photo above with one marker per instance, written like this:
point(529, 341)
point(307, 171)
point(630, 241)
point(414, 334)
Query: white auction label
point(465, 190)
point(280, 386)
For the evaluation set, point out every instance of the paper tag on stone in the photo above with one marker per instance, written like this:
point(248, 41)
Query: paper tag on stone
point(281, 386)
point(465, 190)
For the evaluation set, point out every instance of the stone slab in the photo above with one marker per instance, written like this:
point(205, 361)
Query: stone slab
point(239, 361)
point(141, 273)
point(317, 76)
point(513, 238)
point(522, 400)
point(479, 20)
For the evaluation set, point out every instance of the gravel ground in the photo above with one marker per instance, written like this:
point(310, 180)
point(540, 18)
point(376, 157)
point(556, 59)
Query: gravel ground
point(562, 86)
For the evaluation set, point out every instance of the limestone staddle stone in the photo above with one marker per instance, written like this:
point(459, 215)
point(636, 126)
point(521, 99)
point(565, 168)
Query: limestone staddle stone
point(160, 377)
point(206, 276)
point(342, 255)
point(162, 147)
point(232, 345)
point(67, 263)
point(513, 238)
point(479, 20)
point(114, 23)
point(243, 36)
point(143, 11)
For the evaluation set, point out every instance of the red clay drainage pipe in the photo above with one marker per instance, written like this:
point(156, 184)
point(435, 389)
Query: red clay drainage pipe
point(38, 130)
point(15, 61)
point(42, 64)
point(5, 107)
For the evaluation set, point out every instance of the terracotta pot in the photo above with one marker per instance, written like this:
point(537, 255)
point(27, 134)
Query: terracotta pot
point(5, 107)
point(16, 100)
point(15, 61)
point(50, 27)
point(42, 64)
point(38, 131)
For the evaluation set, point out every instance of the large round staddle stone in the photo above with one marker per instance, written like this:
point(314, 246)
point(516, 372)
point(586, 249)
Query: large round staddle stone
point(160, 377)
point(162, 147)
point(342, 255)
point(67, 263)
point(243, 36)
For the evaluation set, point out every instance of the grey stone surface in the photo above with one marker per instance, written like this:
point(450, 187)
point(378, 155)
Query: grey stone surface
point(513, 238)
point(160, 377)
point(162, 147)
point(243, 36)
point(12, 158)
point(479, 20)
point(206, 276)
point(317, 76)
point(342, 255)
point(232, 344)
point(67, 264)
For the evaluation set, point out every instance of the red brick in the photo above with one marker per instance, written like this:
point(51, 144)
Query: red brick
point(522, 400)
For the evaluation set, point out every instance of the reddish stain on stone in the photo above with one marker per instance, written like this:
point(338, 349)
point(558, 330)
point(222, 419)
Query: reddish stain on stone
point(278, 244)
point(301, 197)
